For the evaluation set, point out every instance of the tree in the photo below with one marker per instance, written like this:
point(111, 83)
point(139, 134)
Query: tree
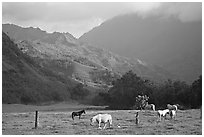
point(172, 92)
point(122, 94)
point(197, 92)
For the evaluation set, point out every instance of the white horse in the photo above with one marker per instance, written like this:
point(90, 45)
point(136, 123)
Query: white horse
point(102, 118)
point(150, 107)
point(172, 107)
point(172, 114)
point(162, 113)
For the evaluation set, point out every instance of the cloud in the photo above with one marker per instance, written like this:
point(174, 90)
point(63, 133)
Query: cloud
point(61, 11)
point(78, 18)
point(144, 8)
point(185, 12)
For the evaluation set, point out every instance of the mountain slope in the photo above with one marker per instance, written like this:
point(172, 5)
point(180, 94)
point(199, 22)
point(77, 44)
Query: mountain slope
point(84, 61)
point(24, 81)
point(167, 42)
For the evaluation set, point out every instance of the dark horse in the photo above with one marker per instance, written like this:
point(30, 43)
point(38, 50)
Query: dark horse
point(79, 113)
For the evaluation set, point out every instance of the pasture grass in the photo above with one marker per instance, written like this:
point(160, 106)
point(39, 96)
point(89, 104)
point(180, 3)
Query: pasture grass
point(187, 122)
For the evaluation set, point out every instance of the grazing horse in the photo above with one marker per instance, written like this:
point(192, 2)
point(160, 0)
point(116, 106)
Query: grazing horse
point(172, 107)
point(172, 114)
point(163, 113)
point(102, 118)
point(150, 106)
point(79, 113)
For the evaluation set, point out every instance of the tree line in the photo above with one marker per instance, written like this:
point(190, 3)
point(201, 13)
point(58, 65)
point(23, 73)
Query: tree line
point(122, 94)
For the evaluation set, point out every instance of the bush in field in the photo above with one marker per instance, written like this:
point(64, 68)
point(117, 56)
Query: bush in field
point(140, 102)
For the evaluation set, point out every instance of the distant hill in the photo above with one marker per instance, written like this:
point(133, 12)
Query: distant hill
point(87, 63)
point(25, 81)
point(175, 46)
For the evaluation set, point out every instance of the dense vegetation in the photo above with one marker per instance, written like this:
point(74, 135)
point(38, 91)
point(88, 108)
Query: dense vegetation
point(103, 76)
point(122, 94)
point(79, 92)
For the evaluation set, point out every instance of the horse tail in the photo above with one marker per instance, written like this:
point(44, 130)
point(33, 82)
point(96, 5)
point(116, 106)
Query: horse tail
point(176, 107)
point(153, 107)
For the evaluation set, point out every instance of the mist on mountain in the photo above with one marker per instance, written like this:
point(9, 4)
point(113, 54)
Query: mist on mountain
point(167, 42)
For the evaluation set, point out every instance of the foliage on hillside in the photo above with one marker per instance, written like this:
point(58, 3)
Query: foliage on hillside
point(103, 76)
point(79, 92)
point(122, 94)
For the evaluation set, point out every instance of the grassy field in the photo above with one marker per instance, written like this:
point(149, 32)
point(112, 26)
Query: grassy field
point(56, 120)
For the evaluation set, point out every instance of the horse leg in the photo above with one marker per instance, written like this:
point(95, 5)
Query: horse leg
point(174, 117)
point(159, 117)
point(110, 122)
point(163, 118)
point(99, 124)
point(105, 126)
point(136, 121)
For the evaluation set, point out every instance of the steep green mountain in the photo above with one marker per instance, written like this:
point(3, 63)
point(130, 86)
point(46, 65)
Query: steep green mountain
point(174, 45)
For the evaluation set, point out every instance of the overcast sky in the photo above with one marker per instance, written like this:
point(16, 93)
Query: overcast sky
point(78, 18)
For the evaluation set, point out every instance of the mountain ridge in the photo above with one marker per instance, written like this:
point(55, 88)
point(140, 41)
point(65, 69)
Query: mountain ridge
point(166, 42)
point(65, 48)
